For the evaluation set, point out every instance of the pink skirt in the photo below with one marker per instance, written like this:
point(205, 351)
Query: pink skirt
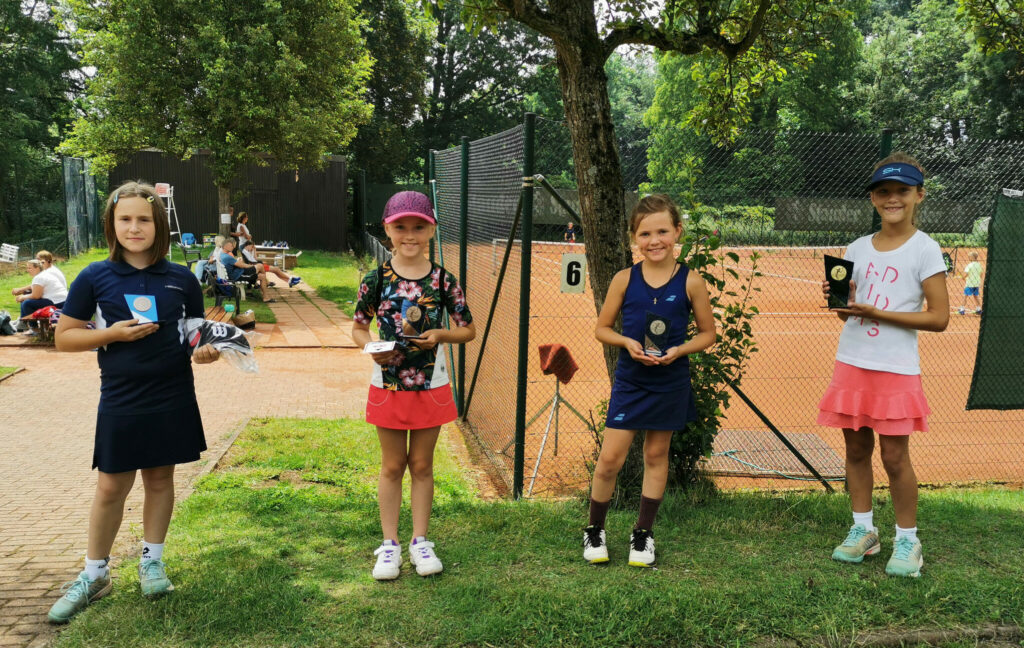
point(410, 410)
point(888, 403)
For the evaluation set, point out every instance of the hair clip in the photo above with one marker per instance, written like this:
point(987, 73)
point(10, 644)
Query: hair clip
point(149, 199)
point(116, 196)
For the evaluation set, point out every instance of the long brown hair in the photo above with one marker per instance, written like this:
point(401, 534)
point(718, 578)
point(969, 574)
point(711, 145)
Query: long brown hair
point(162, 240)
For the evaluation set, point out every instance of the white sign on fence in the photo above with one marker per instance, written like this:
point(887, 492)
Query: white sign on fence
point(574, 273)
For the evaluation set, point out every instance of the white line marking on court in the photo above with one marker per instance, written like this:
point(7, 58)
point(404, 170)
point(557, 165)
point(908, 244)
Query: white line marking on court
point(770, 274)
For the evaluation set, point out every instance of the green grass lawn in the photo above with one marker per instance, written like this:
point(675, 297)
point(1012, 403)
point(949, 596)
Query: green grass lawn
point(275, 549)
point(334, 276)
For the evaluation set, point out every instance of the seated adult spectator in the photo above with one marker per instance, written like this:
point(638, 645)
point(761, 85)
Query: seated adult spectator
point(239, 268)
point(246, 251)
point(50, 267)
point(46, 289)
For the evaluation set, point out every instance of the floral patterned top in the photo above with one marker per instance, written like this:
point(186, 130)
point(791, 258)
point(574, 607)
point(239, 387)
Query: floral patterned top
point(386, 295)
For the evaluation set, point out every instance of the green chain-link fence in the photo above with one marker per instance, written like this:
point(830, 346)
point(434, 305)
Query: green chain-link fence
point(789, 198)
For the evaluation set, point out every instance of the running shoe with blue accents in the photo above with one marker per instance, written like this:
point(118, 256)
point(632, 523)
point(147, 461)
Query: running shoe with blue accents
point(860, 542)
point(907, 558)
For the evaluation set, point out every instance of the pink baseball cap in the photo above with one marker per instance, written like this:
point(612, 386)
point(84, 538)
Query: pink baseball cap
point(409, 203)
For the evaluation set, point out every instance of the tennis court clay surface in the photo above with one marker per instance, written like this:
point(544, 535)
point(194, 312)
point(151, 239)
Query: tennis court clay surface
point(797, 340)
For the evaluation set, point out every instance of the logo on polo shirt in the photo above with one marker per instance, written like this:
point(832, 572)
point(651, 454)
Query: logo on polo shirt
point(621, 416)
point(670, 298)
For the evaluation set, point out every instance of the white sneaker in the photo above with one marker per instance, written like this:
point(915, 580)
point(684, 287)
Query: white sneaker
point(421, 553)
point(595, 549)
point(641, 548)
point(389, 561)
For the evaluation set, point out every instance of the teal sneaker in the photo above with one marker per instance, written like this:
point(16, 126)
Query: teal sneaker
point(153, 578)
point(907, 558)
point(78, 594)
point(859, 542)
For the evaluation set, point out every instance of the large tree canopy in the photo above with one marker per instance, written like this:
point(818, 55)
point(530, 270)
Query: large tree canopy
point(35, 85)
point(241, 79)
point(755, 37)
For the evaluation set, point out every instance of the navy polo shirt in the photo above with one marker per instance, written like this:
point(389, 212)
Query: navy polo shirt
point(153, 374)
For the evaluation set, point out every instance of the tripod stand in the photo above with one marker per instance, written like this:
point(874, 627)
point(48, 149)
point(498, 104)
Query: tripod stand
point(554, 405)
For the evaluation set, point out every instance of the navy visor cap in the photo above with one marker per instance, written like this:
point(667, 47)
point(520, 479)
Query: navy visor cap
point(897, 172)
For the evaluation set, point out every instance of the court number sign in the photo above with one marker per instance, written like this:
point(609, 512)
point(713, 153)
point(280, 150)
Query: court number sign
point(574, 273)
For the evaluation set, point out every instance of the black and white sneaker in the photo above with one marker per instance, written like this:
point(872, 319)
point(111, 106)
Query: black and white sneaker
point(641, 548)
point(595, 549)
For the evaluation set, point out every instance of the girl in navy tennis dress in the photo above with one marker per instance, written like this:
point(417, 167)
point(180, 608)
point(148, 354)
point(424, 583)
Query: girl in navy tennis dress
point(148, 418)
point(410, 397)
point(651, 391)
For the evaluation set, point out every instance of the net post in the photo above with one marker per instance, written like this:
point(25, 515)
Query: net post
point(524, 304)
point(463, 254)
point(431, 174)
point(884, 149)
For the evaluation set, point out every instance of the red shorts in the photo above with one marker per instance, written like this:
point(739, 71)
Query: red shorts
point(888, 403)
point(410, 410)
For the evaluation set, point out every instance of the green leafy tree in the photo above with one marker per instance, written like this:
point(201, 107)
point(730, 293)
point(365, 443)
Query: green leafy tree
point(998, 24)
point(755, 37)
point(36, 79)
point(241, 79)
point(478, 81)
point(397, 37)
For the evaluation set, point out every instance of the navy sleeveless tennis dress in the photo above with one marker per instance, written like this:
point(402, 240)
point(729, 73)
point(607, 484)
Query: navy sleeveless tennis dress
point(653, 398)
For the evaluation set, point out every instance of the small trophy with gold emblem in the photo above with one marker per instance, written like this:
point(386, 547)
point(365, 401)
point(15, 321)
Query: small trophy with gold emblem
point(838, 272)
point(656, 335)
point(414, 320)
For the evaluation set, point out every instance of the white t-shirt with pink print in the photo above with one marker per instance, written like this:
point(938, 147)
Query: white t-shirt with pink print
point(889, 281)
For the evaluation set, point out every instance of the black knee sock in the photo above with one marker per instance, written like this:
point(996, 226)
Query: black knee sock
point(598, 512)
point(648, 511)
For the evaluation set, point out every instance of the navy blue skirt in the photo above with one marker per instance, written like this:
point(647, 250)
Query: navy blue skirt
point(134, 441)
point(636, 408)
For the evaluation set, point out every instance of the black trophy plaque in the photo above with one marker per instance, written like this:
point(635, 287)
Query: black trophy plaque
point(414, 320)
point(656, 335)
point(838, 272)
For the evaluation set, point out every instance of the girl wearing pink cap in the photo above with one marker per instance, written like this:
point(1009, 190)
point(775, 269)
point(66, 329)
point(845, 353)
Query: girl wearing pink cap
point(410, 397)
point(876, 384)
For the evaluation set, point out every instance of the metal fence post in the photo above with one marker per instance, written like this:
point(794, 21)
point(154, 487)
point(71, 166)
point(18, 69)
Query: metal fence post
point(463, 258)
point(432, 175)
point(524, 304)
point(884, 149)
point(361, 205)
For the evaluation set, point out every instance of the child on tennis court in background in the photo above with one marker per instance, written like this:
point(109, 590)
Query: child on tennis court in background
point(972, 283)
point(148, 419)
point(410, 397)
point(876, 383)
point(651, 391)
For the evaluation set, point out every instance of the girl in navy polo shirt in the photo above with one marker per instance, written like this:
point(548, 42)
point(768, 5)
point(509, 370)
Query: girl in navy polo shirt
point(148, 418)
point(651, 390)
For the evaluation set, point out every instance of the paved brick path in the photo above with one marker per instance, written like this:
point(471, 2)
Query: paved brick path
point(48, 485)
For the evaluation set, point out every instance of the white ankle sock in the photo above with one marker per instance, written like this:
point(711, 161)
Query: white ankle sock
point(906, 533)
point(867, 519)
point(152, 551)
point(96, 568)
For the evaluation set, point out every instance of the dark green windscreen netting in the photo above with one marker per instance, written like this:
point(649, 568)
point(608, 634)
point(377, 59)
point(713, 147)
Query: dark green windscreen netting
point(998, 381)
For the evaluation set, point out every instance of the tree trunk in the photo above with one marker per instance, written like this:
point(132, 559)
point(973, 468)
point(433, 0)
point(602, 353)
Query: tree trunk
point(223, 201)
point(580, 57)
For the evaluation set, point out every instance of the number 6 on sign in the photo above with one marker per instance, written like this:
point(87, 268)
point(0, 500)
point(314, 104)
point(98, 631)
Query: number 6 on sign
point(574, 273)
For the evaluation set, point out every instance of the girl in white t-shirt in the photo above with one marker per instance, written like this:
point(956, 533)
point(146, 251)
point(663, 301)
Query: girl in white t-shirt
point(876, 384)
